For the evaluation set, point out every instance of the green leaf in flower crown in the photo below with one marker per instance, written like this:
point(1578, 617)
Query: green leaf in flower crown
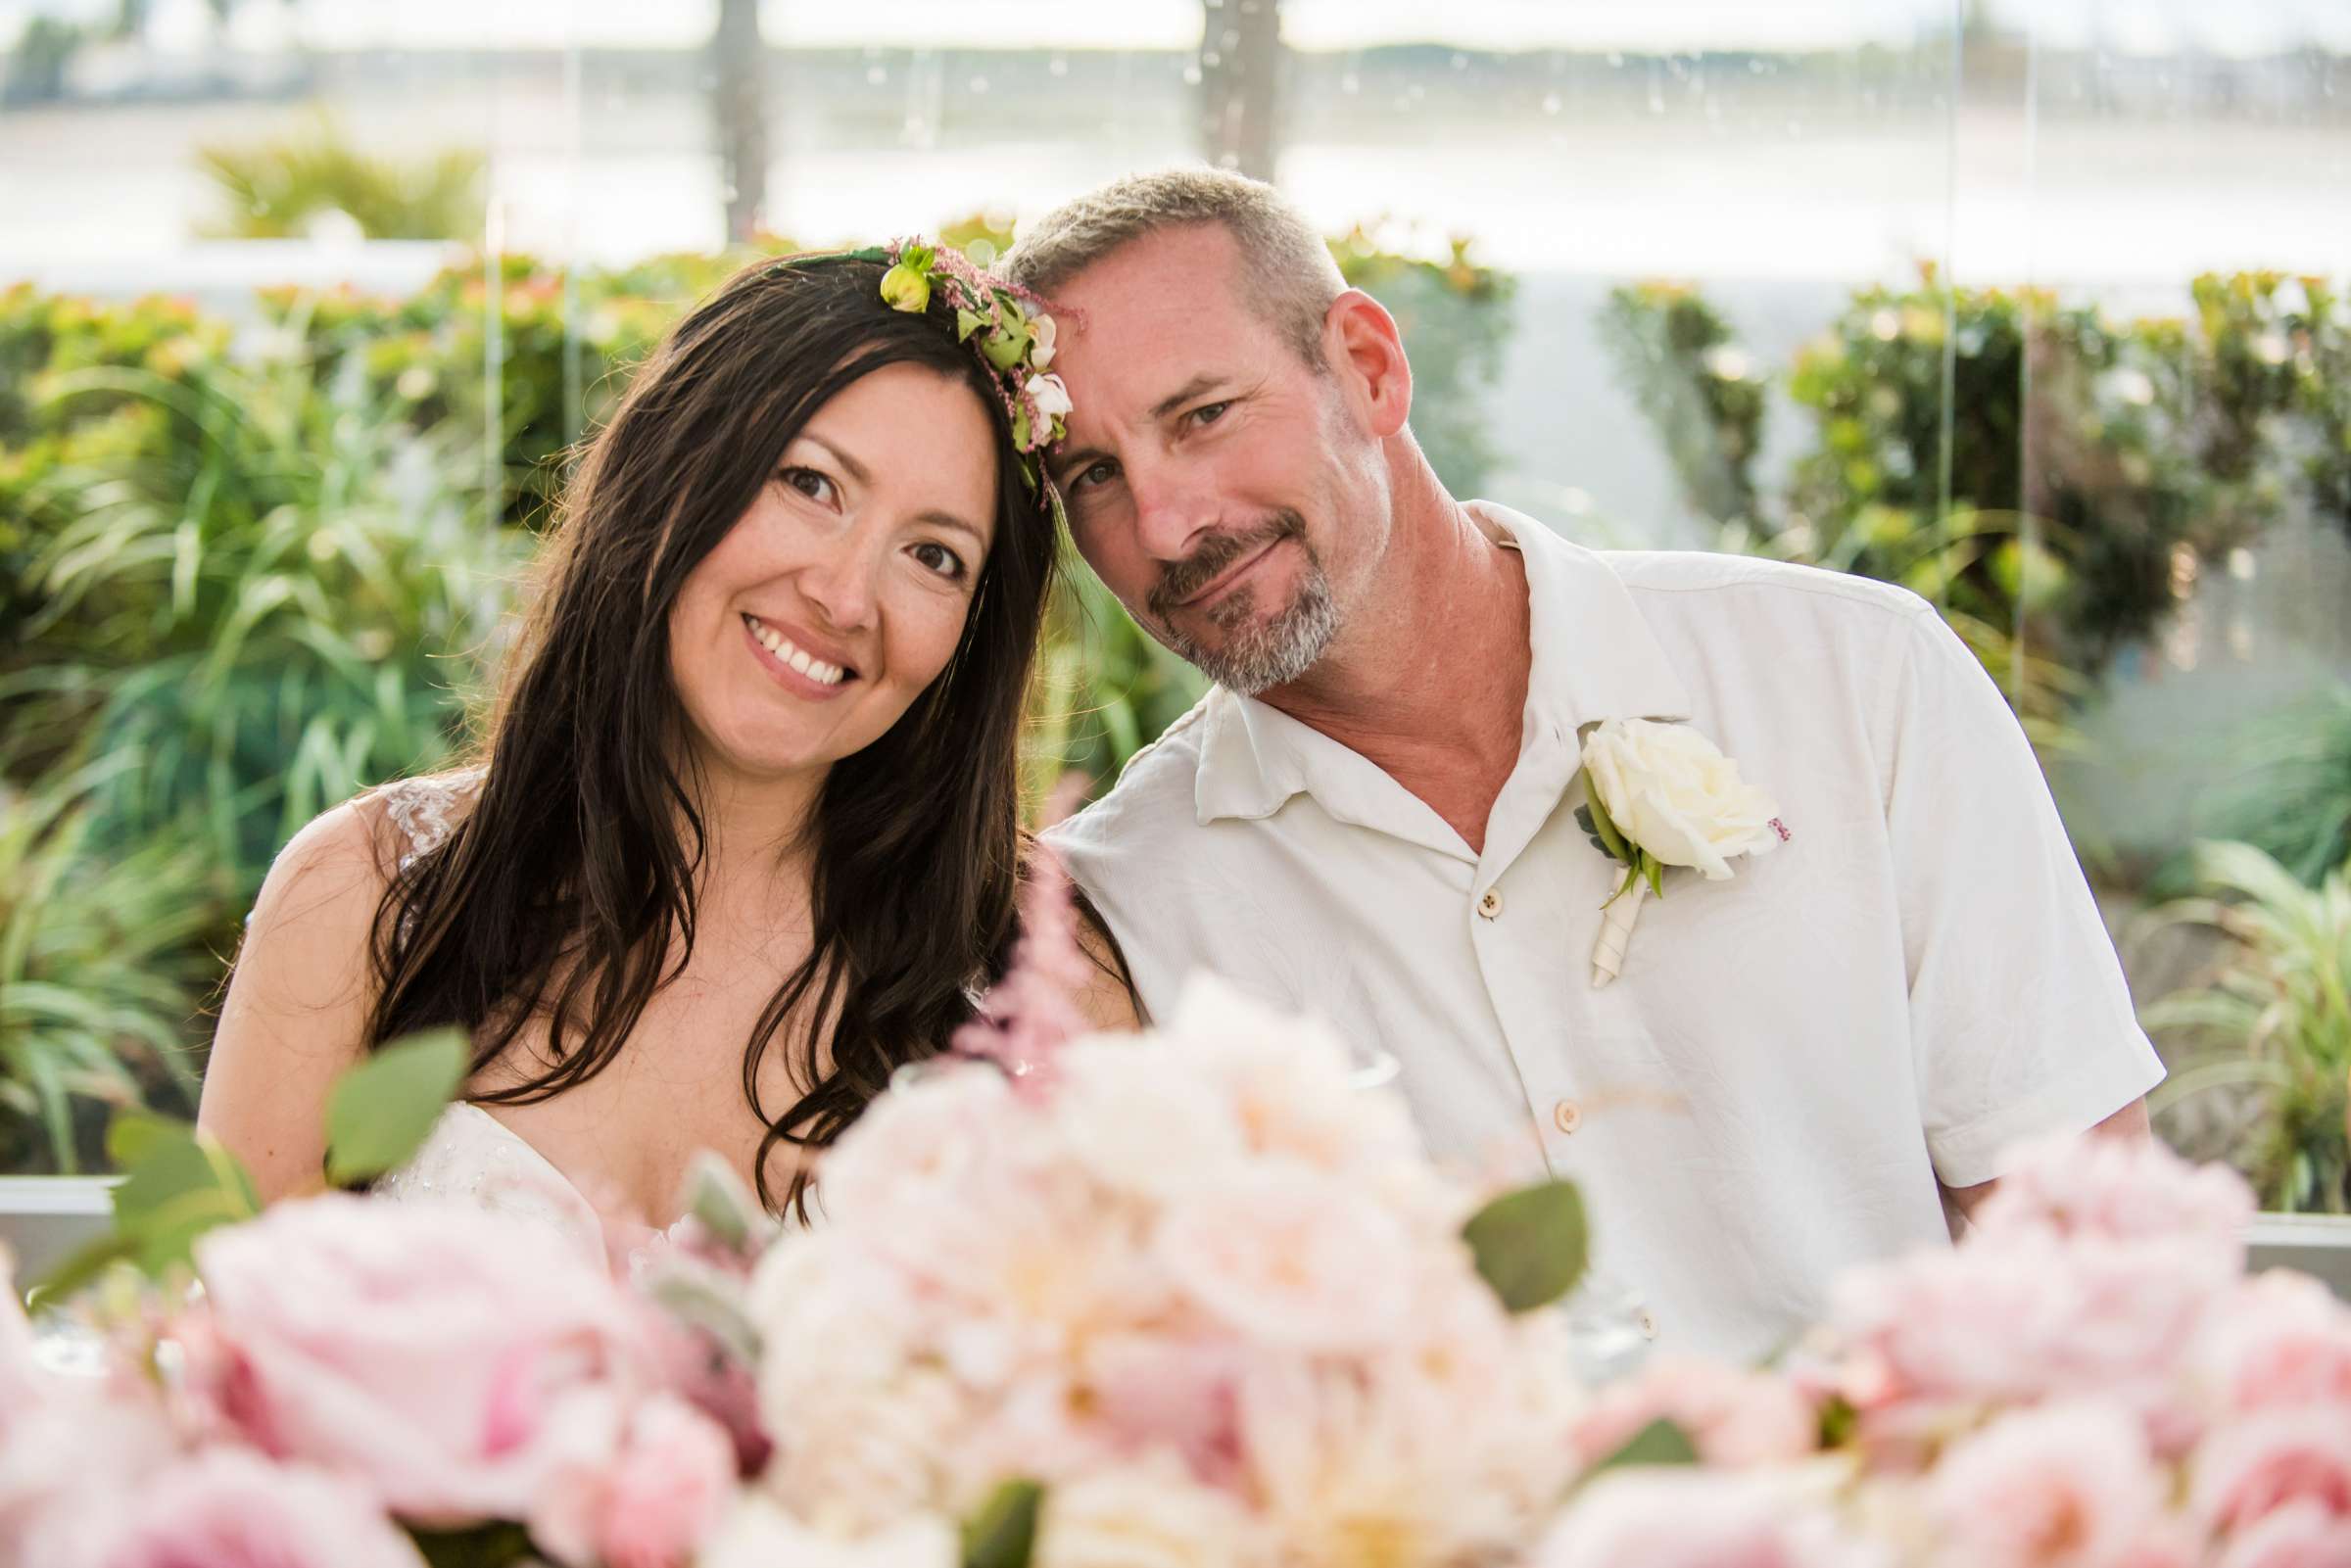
point(1530, 1245)
point(1003, 1533)
point(1006, 349)
point(966, 324)
point(1658, 1442)
point(382, 1109)
point(1019, 425)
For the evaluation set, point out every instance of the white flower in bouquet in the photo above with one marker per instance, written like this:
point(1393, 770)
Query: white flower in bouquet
point(760, 1534)
point(1147, 1273)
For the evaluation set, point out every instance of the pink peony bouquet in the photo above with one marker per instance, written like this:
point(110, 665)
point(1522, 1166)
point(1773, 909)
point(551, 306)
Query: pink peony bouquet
point(2088, 1380)
point(1197, 1289)
point(365, 1382)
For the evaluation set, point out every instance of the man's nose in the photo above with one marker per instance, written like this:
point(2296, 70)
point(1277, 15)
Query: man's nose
point(1173, 511)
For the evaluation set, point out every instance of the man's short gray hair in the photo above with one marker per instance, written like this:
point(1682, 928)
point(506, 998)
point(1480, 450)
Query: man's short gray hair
point(1286, 273)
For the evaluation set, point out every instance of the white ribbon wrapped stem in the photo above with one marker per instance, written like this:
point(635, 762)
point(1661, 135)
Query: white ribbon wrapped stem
point(1617, 932)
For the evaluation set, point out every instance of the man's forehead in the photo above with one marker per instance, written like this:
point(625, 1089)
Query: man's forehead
point(1175, 276)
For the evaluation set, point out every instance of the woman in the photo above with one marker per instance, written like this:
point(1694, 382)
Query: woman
point(744, 835)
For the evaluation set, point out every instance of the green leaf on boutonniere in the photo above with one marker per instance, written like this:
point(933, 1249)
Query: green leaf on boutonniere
point(1654, 870)
point(1583, 820)
point(382, 1109)
point(1003, 1533)
point(1658, 1442)
point(1594, 816)
point(1530, 1245)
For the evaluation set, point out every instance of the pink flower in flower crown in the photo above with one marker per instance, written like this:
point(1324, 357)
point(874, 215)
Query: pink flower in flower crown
point(2252, 1468)
point(232, 1509)
point(452, 1357)
point(2062, 1487)
point(652, 1504)
point(2300, 1535)
point(1731, 1416)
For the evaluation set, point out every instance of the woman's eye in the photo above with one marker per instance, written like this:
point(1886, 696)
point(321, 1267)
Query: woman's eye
point(808, 482)
point(940, 560)
point(1208, 414)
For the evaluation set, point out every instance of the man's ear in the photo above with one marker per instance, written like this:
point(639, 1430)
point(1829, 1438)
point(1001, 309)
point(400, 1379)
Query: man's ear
point(1365, 352)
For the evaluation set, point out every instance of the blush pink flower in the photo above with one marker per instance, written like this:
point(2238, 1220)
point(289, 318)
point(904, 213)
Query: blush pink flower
point(1732, 1416)
point(1691, 1518)
point(2118, 1189)
point(2249, 1468)
point(2063, 1487)
point(450, 1356)
point(2281, 1339)
point(651, 1505)
point(1290, 1257)
point(233, 1508)
point(2300, 1535)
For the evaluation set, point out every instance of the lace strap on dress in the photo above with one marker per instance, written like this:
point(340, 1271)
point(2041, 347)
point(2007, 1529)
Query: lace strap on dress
point(425, 809)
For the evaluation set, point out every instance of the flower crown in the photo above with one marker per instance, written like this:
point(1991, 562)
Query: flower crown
point(1006, 324)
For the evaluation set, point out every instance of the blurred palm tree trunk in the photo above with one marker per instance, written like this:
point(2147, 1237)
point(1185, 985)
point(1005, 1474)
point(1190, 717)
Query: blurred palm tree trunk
point(738, 102)
point(1241, 66)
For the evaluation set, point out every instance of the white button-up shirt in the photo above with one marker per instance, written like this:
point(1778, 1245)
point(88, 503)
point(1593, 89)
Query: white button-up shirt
point(1915, 981)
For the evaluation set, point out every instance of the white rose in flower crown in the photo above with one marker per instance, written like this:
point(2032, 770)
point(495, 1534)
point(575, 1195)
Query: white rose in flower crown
point(1672, 792)
point(1051, 397)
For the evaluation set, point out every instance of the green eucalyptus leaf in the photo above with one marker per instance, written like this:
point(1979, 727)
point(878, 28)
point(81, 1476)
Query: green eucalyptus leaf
point(720, 1203)
point(1658, 1442)
point(490, 1546)
point(1003, 1533)
point(382, 1111)
point(1531, 1245)
point(81, 1266)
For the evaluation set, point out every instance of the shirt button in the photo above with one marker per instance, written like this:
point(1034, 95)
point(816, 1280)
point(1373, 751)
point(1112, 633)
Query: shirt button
point(1491, 905)
point(1566, 1116)
point(1648, 1323)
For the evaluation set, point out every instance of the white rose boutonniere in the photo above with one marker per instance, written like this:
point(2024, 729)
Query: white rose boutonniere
point(1659, 796)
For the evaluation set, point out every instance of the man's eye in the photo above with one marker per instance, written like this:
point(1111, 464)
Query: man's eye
point(808, 482)
point(1099, 474)
point(1210, 412)
point(940, 560)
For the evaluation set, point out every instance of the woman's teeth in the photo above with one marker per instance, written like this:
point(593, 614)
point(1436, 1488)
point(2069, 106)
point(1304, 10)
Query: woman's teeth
point(782, 647)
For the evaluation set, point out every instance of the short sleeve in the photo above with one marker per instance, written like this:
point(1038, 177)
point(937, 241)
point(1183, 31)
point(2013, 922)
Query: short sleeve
point(2020, 1018)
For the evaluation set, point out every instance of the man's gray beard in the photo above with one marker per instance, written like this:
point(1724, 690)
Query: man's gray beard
point(1272, 652)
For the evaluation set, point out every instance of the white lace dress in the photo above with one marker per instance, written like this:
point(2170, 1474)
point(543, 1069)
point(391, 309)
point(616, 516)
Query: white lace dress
point(470, 1156)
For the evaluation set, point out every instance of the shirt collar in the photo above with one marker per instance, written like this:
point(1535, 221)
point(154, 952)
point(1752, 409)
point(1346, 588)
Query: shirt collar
point(1593, 658)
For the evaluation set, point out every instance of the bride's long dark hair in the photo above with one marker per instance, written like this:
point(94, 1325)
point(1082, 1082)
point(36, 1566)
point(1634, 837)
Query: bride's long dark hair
point(567, 894)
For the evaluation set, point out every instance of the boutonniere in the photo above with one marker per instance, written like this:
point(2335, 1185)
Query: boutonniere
point(1659, 795)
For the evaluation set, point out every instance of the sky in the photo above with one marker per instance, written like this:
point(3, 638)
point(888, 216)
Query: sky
point(2127, 26)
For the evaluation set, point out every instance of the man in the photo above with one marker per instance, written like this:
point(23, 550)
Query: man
point(1371, 817)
